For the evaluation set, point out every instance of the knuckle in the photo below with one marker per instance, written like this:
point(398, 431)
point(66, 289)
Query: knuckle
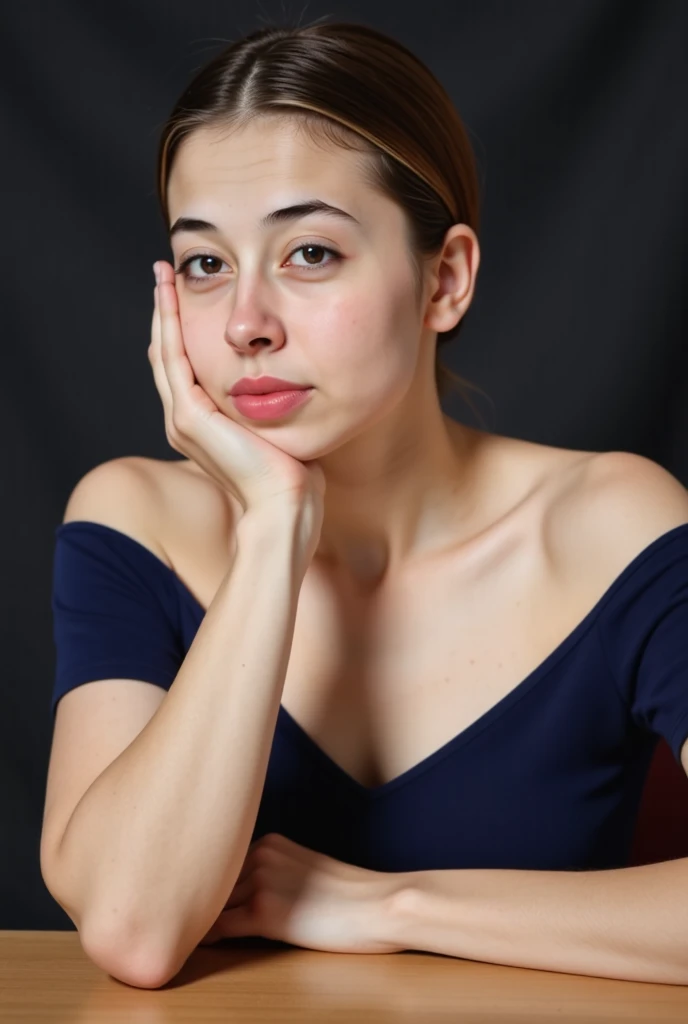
point(262, 856)
point(172, 438)
point(268, 852)
point(181, 421)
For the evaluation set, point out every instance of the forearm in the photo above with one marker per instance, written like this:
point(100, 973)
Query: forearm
point(627, 923)
point(155, 845)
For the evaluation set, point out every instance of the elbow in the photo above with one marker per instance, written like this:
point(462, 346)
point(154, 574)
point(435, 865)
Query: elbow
point(108, 951)
point(112, 949)
point(125, 948)
point(126, 961)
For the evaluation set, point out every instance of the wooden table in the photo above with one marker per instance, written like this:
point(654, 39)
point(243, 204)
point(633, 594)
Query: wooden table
point(45, 976)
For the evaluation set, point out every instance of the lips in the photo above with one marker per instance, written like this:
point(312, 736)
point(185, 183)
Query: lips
point(272, 405)
point(265, 386)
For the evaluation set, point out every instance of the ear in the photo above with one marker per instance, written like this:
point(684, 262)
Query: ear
point(451, 278)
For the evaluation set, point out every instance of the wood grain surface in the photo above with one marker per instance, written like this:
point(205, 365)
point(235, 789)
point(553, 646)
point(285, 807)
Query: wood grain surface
point(45, 976)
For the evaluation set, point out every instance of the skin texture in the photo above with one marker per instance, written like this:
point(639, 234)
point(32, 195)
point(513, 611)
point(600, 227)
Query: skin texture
point(396, 466)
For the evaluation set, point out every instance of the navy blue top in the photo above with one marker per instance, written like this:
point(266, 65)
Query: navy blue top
point(549, 778)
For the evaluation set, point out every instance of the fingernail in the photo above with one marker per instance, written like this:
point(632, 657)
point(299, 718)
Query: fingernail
point(157, 273)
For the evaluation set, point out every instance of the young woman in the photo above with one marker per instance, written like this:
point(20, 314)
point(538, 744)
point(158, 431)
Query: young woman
point(350, 674)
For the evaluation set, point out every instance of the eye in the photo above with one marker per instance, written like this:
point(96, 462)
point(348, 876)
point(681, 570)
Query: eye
point(312, 247)
point(313, 250)
point(203, 257)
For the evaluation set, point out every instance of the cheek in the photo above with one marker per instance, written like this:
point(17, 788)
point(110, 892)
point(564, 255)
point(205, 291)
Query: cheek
point(365, 344)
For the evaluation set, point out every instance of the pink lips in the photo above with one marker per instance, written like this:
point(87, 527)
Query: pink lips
point(271, 405)
point(264, 385)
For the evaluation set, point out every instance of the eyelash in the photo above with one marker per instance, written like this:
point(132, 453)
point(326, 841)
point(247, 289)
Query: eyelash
point(181, 269)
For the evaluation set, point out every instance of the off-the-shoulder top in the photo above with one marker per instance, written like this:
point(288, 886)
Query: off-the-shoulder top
point(548, 778)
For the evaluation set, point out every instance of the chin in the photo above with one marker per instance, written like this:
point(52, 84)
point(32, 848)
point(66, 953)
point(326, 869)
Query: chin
point(302, 446)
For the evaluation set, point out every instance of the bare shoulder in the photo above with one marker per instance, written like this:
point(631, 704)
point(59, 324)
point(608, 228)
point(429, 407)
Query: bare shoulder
point(171, 507)
point(610, 507)
point(623, 503)
point(123, 493)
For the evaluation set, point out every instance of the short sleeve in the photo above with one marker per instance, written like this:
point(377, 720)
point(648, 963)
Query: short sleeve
point(646, 638)
point(661, 692)
point(113, 610)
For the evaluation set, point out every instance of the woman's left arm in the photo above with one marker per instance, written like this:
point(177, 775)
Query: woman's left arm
point(628, 923)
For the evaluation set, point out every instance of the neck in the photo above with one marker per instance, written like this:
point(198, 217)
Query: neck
point(397, 494)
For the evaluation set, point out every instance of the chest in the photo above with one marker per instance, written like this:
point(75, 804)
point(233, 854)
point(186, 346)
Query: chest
point(379, 684)
point(380, 681)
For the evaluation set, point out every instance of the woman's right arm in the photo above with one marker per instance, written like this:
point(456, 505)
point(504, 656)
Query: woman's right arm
point(154, 847)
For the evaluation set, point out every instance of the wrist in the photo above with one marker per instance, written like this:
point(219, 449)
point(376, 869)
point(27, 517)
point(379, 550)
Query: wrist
point(398, 909)
point(277, 525)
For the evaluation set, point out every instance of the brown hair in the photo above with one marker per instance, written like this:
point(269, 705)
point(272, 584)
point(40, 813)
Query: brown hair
point(351, 85)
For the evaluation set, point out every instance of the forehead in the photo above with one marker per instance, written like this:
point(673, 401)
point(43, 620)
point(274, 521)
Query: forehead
point(263, 159)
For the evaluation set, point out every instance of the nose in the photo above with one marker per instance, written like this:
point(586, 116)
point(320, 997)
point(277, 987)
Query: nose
point(250, 328)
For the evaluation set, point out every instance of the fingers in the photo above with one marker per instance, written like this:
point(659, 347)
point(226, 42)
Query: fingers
point(177, 366)
point(155, 359)
point(172, 371)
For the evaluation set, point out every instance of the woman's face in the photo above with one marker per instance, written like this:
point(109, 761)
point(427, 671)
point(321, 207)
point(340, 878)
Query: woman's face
point(343, 321)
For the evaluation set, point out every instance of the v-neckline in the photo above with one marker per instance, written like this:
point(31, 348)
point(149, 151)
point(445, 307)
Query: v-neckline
point(467, 734)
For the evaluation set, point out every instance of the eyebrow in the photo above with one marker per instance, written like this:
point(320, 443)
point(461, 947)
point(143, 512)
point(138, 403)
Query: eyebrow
point(287, 213)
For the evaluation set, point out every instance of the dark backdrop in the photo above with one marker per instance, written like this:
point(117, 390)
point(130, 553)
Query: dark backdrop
point(576, 328)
